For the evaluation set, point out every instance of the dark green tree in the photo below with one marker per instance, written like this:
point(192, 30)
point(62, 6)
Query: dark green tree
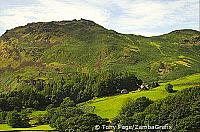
point(2, 117)
point(67, 102)
point(135, 106)
point(169, 88)
point(15, 119)
point(82, 123)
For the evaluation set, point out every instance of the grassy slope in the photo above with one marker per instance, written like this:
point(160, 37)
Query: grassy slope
point(85, 46)
point(109, 107)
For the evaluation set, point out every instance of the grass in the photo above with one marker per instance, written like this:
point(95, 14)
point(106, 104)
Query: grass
point(109, 107)
point(37, 113)
point(188, 79)
point(6, 127)
point(34, 115)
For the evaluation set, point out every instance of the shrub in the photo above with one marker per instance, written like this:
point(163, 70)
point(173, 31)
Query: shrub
point(135, 106)
point(169, 88)
point(15, 119)
point(2, 117)
point(67, 102)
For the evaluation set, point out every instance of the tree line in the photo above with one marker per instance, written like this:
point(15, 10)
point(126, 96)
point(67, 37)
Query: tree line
point(59, 97)
point(39, 94)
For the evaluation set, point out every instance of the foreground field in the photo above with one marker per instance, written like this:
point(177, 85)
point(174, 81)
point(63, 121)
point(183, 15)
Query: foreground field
point(109, 107)
point(6, 127)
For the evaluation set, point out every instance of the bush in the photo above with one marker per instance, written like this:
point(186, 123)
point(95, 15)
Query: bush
point(135, 106)
point(15, 119)
point(67, 102)
point(169, 88)
point(82, 123)
point(2, 117)
point(188, 123)
point(73, 118)
point(42, 119)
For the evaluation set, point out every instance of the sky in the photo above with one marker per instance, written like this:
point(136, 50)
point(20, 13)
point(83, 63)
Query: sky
point(141, 17)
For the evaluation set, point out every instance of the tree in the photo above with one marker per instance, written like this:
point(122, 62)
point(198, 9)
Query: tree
point(2, 117)
point(188, 123)
point(15, 119)
point(3, 104)
point(67, 102)
point(135, 106)
point(56, 114)
point(82, 123)
point(169, 88)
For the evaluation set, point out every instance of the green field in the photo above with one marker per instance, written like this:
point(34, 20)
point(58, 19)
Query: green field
point(109, 107)
point(36, 113)
point(4, 127)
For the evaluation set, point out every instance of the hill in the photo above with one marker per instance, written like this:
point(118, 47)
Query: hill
point(46, 50)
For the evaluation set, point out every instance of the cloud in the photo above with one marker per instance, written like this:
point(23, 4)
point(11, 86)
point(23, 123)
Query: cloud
point(145, 17)
point(155, 17)
point(61, 10)
point(51, 10)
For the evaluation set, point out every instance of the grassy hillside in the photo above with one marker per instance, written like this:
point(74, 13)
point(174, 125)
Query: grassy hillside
point(56, 48)
point(109, 107)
